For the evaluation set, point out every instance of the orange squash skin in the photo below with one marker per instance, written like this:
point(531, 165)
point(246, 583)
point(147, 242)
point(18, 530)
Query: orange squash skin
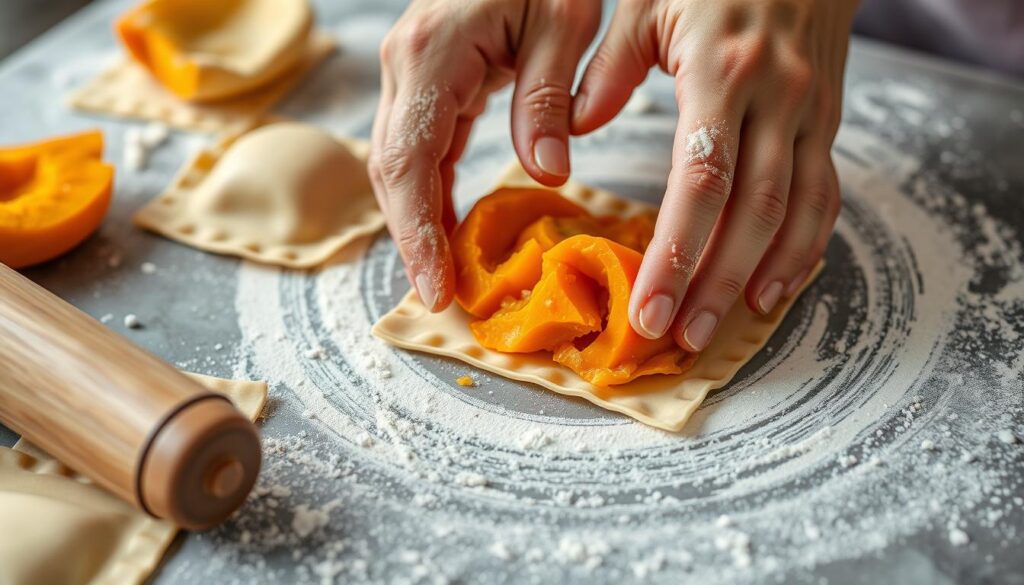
point(491, 264)
point(155, 52)
point(53, 194)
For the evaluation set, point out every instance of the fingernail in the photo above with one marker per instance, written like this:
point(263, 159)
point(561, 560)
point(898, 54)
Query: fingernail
point(655, 316)
point(426, 291)
point(698, 332)
point(769, 297)
point(552, 156)
point(796, 282)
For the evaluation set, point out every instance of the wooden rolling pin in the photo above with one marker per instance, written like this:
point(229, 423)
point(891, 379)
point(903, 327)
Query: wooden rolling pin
point(117, 414)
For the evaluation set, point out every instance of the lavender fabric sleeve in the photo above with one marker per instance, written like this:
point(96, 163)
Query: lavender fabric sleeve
point(983, 32)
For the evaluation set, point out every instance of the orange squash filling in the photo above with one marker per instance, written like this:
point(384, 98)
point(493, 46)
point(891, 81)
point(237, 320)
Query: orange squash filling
point(491, 263)
point(558, 282)
point(180, 43)
point(53, 194)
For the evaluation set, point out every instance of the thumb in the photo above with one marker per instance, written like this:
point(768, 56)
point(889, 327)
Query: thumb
point(620, 64)
point(542, 101)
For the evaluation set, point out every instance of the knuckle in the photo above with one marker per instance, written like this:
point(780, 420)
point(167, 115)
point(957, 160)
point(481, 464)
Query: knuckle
point(408, 234)
point(373, 169)
point(796, 257)
point(560, 10)
point(798, 78)
point(818, 199)
point(757, 48)
point(577, 19)
point(743, 58)
point(768, 207)
point(728, 286)
point(601, 64)
point(706, 185)
point(416, 34)
point(393, 164)
point(547, 97)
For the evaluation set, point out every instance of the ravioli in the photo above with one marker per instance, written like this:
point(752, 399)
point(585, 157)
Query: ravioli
point(209, 66)
point(285, 193)
point(663, 401)
point(206, 51)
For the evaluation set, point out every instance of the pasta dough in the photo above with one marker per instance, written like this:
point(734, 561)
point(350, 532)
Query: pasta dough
point(203, 51)
point(128, 91)
point(295, 206)
point(72, 532)
point(664, 401)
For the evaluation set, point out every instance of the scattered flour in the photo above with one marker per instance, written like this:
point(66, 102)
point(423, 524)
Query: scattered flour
point(958, 537)
point(701, 143)
point(419, 116)
point(140, 142)
point(803, 452)
point(534, 440)
point(1006, 436)
point(306, 520)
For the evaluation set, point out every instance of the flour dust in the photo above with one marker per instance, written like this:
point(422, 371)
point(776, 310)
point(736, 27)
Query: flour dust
point(889, 405)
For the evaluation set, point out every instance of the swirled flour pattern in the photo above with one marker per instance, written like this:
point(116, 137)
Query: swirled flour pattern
point(878, 411)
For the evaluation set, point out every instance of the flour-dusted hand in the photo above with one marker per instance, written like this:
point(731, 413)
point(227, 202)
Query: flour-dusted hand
point(752, 195)
point(439, 63)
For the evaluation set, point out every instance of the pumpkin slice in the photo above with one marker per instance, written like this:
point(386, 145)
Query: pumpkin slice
point(549, 231)
point(53, 194)
point(634, 232)
point(586, 281)
point(560, 308)
point(206, 51)
point(492, 262)
point(618, 354)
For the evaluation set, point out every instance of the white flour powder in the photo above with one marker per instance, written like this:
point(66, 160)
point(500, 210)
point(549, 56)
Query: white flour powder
point(814, 455)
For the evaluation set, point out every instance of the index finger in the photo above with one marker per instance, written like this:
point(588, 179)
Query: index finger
point(703, 163)
point(417, 138)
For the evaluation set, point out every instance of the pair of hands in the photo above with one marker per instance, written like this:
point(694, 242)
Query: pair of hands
point(752, 195)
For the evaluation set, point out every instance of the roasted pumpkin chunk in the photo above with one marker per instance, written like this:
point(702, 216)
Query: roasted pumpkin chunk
point(634, 232)
point(560, 308)
point(492, 262)
point(53, 194)
point(578, 311)
point(205, 51)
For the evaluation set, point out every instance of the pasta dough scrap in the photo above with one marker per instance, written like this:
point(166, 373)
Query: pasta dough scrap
point(295, 207)
point(127, 90)
point(664, 401)
point(204, 51)
point(72, 532)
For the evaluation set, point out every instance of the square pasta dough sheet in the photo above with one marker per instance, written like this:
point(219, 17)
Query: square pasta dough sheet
point(662, 401)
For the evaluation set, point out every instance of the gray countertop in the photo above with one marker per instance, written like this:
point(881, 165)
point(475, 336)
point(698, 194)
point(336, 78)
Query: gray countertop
point(872, 441)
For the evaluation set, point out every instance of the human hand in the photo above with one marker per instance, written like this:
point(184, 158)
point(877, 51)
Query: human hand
point(439, 63)
point(752, 195)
